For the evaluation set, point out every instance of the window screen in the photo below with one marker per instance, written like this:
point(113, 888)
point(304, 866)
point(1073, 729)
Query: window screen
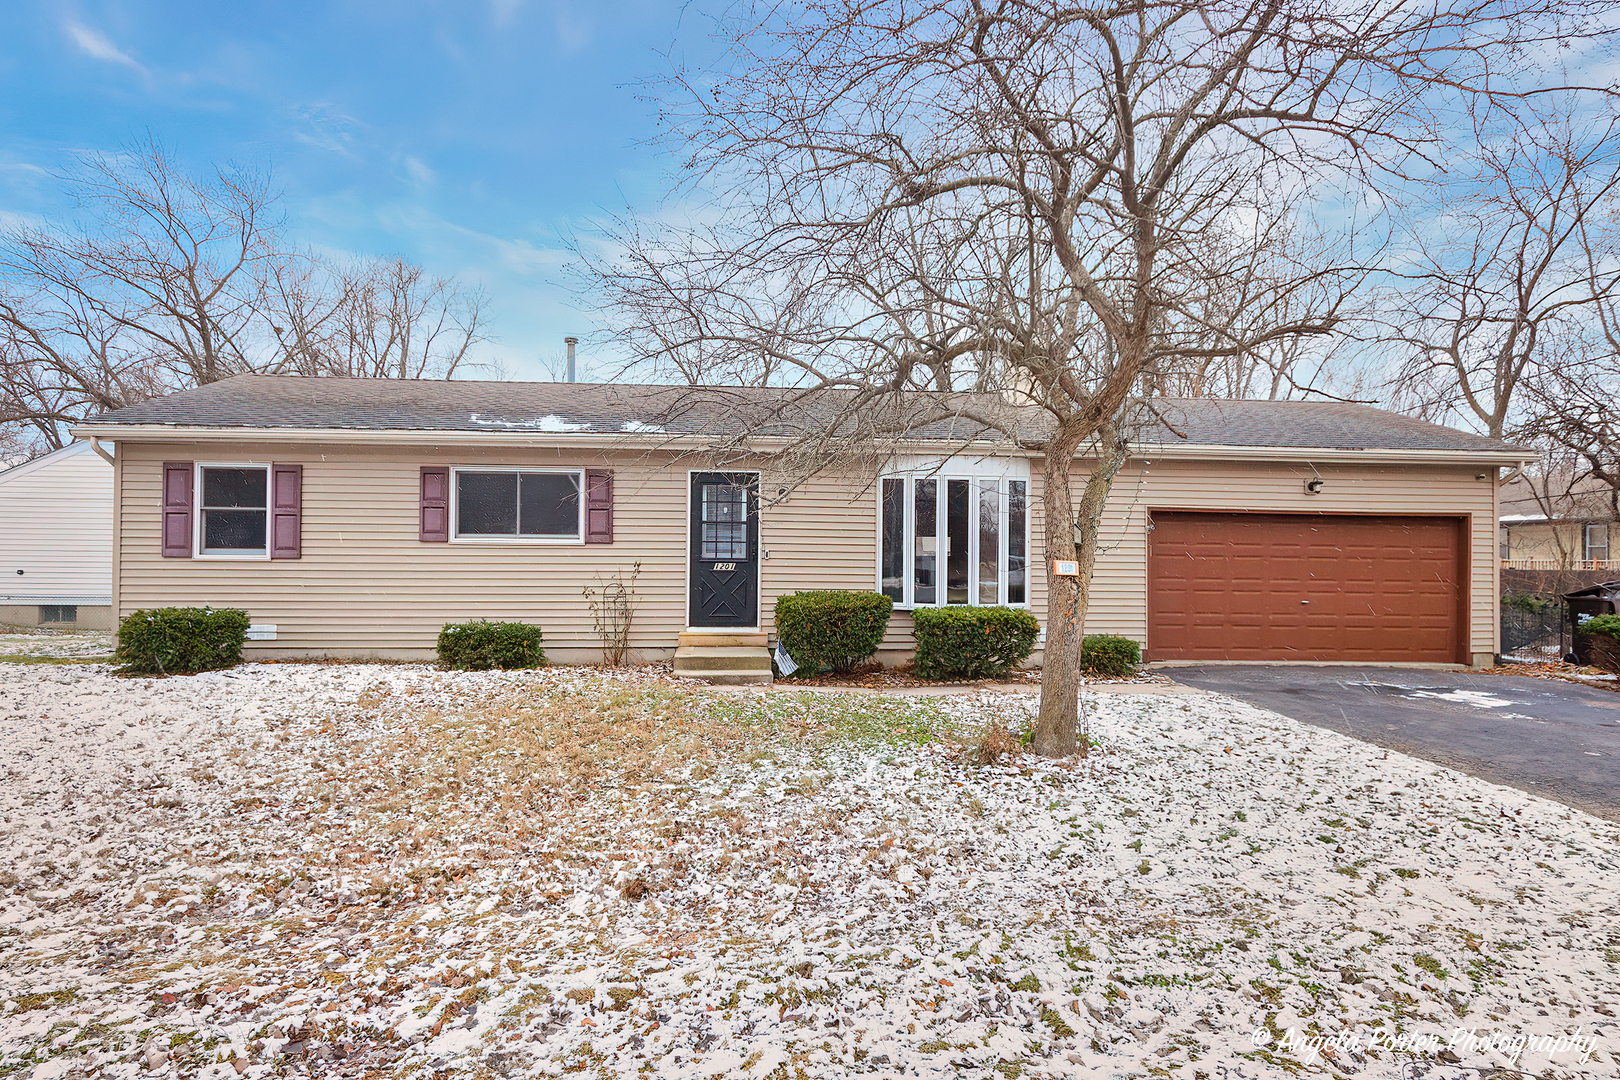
point(894, 540)
point(234, 509)
point(58, 613)
point(989, 542)
point(1016, 556)
point(925, 555)
point(724, 519)
point(956, 529)
point(514, 504)
point(548, 504)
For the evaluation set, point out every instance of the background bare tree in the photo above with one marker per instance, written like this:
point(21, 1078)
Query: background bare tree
point(1056, 201)
point(1515, 257)
point(169, 280)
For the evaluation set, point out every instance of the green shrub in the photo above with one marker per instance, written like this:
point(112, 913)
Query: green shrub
point(1532, 604)
point(1606, 625)
point(480, 645)
point(177, 641)
point(972, 642)
point(1109, 655)
point(831, 628)
point(1597, 641)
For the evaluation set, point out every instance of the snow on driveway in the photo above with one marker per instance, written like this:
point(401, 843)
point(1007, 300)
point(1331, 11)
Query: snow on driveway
point(389, 870)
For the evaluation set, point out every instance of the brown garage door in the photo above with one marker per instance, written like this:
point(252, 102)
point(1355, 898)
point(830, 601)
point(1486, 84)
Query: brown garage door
point(1305, 587)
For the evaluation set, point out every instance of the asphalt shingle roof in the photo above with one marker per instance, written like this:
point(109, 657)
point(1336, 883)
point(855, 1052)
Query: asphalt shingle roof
point(268, 402)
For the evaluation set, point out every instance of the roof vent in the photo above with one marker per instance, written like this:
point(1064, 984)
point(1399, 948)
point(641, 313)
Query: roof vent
point(568, 375)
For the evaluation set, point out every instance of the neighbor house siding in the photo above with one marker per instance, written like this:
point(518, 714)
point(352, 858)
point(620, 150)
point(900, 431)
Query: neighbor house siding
point(56, 524)
point(1119, 587)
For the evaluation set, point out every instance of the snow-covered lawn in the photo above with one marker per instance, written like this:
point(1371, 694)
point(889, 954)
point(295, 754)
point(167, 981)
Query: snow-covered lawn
point(380, 870)
point(37, 641)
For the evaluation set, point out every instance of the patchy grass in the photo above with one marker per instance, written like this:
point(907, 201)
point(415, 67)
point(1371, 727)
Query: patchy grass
point(390, 870)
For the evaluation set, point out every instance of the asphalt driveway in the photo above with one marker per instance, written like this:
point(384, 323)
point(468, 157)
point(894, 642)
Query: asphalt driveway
point(1556, 739)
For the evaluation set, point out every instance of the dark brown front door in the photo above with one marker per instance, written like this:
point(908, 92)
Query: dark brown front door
point(724, 550)
point(1369, 589)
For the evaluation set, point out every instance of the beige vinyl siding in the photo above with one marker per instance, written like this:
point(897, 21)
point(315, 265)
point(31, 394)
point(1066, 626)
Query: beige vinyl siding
point(56, 524)
point(1119, 587)
point(367, 585)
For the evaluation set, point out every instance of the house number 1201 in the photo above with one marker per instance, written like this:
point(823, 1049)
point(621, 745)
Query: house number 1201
point(725, 566)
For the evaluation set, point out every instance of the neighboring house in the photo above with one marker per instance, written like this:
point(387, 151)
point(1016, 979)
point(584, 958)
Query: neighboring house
point(1568, 527)
point(56, 530)
point(356, 517)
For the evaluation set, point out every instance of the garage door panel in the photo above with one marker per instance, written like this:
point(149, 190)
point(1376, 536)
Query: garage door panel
point(1380, 588)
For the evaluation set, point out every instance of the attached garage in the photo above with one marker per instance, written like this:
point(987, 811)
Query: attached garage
point(1309, 587)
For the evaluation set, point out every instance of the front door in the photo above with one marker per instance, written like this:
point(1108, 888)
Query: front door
point(724, 550)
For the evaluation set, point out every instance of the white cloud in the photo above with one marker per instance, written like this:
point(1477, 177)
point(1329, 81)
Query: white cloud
point(573, 29)
point(419, 172)
point(97, 46)
point(504, 11)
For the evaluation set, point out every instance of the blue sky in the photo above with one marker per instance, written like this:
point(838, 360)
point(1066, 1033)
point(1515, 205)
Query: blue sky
point(467, 136)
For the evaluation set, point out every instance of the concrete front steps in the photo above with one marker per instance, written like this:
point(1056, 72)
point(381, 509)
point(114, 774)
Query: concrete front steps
point(724, 659)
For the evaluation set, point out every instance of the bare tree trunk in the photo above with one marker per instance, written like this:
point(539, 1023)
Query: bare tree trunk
point(1070, 533)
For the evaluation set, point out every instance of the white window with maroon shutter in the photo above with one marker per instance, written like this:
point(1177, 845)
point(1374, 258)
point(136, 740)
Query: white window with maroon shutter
point(513, 505)
point(233, 511)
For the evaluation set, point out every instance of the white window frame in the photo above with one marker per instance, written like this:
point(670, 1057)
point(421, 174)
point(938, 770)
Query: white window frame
point(1586, 541)
point(1002, 475)
point(577, 540)
point(197, 512)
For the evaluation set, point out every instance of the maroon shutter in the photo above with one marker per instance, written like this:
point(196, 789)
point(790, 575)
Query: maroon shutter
point(177, 509)
point(435, 504)
point(598, 506)
point(286, 510)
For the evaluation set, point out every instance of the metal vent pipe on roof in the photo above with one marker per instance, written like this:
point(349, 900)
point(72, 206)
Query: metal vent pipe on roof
point(570, 342)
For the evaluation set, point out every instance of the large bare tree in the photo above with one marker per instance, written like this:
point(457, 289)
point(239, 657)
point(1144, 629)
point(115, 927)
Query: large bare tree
point(1055, 202)
point(168, 280)
point(1514, 261)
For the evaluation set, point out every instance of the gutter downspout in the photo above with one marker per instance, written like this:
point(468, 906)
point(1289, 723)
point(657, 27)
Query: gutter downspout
point(95, 444)
point(1514, 473)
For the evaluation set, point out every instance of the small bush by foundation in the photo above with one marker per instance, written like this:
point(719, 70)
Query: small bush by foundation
point(179, 641)
point(972, 642)
point(480, 645)
point(1109, 655)
point(831, 628)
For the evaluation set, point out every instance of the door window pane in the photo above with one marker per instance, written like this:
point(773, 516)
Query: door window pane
point(548, 504)
point(724, 518)
point(956, 533)
point(234, 509)
point(925, 554)
point(989, 542)
point(893, 544)
point(487, 503)
point(1015, 541)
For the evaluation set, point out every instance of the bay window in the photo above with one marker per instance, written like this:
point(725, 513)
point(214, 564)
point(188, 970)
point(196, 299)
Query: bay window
point(954, 540)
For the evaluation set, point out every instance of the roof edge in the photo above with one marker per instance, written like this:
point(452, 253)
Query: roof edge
point(613, 440)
